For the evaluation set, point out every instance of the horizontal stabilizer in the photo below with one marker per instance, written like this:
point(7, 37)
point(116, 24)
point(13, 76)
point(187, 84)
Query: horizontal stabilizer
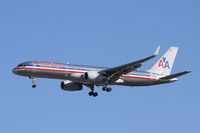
point(175, 75)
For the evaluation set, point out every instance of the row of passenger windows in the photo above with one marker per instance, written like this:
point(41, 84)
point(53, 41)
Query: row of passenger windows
point(23, 65)
point(62, 67)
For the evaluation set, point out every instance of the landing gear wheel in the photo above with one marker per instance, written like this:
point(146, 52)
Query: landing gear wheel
point(104, 88)
point(91, 93)
point(33, 82)
point(34, 85)
point(109, 89)
point(95, 94)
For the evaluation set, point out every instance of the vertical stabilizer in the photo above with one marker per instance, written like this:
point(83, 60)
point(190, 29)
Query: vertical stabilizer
point(165, 63)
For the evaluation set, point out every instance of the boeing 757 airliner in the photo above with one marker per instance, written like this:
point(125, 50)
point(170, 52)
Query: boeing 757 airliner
point(75, 76)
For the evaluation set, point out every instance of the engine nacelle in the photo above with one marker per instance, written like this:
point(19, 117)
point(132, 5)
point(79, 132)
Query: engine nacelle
point(71, 86)
point(94, 77)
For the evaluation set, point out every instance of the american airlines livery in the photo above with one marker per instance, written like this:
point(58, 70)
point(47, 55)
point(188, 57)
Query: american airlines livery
point(75, 76)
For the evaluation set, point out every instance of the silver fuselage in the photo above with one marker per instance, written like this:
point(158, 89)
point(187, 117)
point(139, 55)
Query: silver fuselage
point(75, 73)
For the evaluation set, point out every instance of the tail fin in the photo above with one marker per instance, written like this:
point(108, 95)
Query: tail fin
point(165, 63)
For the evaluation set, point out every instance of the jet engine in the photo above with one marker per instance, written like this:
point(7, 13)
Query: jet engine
point(71, 86)
point(94, 77)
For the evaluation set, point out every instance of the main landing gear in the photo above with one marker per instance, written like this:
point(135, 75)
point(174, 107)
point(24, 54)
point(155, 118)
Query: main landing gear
point(108, 89)
point(33, 82)
point(92, 93)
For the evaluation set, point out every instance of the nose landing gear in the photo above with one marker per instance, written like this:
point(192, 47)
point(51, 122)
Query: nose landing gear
point(33, 82)
point(34, 86)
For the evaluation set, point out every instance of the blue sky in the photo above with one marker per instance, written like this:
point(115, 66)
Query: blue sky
point(101, 33)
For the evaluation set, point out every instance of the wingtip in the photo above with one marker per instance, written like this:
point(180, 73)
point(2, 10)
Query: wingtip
point(188, 71)
point(157, 51)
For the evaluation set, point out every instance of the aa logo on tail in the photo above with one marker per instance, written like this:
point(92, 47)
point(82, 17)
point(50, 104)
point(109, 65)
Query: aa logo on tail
point(163, 63)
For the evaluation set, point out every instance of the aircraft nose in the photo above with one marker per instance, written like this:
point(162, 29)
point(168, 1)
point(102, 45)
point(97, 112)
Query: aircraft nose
point(14, 71)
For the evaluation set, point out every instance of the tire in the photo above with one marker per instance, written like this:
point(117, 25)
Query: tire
point(109, 89)
point(95, 94)
point(91, 93)
point(34, 86)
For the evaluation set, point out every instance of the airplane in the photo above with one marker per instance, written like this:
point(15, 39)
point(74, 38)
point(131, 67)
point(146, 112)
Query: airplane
point(75, 76)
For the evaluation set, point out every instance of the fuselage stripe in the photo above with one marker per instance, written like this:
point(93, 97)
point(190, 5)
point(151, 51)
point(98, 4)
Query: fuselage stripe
point(45, 69)
point(70, 71)
point(135, 77)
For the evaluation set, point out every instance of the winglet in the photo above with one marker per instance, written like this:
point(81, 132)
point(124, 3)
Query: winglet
point(157, 51)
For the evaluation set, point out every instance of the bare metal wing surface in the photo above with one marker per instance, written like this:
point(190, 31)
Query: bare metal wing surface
point(114, 73)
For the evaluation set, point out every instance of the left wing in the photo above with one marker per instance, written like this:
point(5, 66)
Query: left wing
point(114, 73)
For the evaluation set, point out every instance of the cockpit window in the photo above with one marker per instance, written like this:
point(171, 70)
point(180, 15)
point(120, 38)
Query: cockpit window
point(21, 65)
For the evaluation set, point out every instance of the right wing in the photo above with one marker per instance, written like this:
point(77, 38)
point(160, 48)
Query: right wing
point(114, 73)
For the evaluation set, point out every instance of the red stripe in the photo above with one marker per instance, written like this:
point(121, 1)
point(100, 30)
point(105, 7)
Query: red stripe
point(44, 69)
point(55, 70)
point(138, 77)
